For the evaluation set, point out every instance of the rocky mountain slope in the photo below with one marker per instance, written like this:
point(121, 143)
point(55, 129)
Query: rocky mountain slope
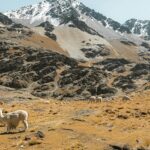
point(72, 12)
point(139, 27)
point(80, 31)
point(61, 12)
point(68, 50)
point(5, 20)
point(35, 63)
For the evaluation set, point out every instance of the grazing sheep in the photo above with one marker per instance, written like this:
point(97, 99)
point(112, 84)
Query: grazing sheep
point(95, 99)
point(12, 119)
point(92, 99)
point(99, 99)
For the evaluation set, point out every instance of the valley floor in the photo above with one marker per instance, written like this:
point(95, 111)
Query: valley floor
point(79, 125)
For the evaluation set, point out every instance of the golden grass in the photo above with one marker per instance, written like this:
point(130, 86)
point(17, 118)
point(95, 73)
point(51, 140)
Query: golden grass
point(82, 125)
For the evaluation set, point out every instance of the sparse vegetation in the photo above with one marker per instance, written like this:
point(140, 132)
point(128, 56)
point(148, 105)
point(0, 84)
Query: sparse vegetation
point(54, 123)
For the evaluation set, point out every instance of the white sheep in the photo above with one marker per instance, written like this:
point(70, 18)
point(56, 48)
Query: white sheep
point(12, 119)
point(92, 99)
point(99, 99)
point(95, 99)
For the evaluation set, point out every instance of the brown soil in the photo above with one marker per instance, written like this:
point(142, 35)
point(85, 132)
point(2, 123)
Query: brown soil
point(125, 51)
point(39, 41)
point(79, 125)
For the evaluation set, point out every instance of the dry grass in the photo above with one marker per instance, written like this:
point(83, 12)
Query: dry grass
point(39, 41)
point(81, 125)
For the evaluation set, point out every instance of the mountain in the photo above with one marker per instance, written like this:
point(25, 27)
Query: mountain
point(139, 27)
point(61, 12)
point(66, 49)
point(82, 32)
point(35, 62)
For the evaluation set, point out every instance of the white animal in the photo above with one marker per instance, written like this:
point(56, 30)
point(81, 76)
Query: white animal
point(99, 99)
point(12, 119)
point(92, 99)
point(95, 99)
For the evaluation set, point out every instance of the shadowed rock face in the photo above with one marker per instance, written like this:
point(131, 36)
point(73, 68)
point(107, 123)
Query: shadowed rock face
point(51, 35)
point(48, 30)
point(138, 26)
point(5, 20)
point(125, 83)
point(100, 50)
point(18, 25)
point(146, 45)
point(113, 64)
point(128, 43)
point(81, 79)
point(76, 23)
point(140, 71)
point(29, 65)
point(47, 26)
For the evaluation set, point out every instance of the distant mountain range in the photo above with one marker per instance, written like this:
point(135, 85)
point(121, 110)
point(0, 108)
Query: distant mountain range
point(59, 12)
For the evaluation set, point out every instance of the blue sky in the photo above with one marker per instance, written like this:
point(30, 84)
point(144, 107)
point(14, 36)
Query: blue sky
point(120, 10)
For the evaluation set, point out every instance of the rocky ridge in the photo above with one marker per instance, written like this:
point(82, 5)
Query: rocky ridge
point(75, 13)
point(62, 12)
point(139, 27)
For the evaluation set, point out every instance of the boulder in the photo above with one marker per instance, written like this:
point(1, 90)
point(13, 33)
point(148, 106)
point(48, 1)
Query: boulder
point(51, 35)
point(126, 98)
point(39, 134)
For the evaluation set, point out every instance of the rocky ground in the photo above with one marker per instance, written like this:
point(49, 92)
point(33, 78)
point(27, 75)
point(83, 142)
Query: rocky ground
point(44, 73)
point(35, 64)
point(79, 125)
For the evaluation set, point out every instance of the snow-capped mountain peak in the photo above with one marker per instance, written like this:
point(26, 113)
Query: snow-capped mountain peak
point(75, 13)
point(69, 12)
point(59, 12)
point(139, 27)
point(47, 10)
